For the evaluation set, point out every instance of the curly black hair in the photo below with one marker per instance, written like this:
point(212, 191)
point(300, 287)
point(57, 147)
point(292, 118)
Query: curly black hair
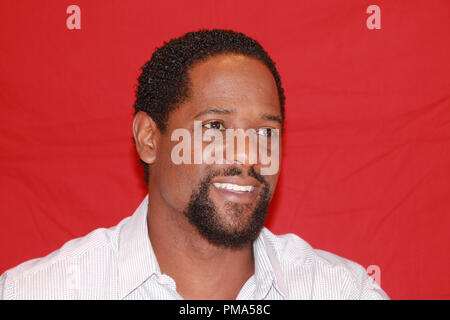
point(164, 81)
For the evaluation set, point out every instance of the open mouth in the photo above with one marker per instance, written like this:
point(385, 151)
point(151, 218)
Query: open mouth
point(238, 189)
point(233, 187)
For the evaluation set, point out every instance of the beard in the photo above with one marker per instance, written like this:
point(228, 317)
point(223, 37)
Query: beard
point(203, 214)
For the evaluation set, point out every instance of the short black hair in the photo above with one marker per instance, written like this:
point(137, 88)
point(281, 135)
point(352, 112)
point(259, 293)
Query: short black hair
point(164, 81)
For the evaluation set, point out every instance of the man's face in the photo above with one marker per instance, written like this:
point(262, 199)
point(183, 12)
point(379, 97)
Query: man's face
point(226, 92)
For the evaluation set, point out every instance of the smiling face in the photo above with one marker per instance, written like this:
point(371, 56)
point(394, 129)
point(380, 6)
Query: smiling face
point(227, 203)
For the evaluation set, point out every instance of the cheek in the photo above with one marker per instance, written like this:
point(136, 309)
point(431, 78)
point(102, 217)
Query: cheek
point(176, 183)
point(272, 180)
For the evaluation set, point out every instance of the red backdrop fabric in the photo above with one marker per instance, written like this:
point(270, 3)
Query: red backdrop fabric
point(366, 160)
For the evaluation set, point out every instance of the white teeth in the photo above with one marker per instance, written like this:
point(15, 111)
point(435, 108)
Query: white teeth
point(232, 186)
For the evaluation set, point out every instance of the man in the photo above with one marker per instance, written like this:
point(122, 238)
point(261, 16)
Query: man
point(199, 233)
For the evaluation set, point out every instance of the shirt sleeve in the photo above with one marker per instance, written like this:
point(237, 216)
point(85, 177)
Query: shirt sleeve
point(4, 288)
point(372, 291)
point(362, 286)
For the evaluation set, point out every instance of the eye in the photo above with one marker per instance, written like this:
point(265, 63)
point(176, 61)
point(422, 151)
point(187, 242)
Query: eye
point(266, 132)
point(214, 125)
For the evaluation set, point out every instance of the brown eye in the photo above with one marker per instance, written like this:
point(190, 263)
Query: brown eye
point(266, 132)
point(214, 125)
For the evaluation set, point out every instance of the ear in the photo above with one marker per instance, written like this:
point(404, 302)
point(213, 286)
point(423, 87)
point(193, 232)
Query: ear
point(146, 135)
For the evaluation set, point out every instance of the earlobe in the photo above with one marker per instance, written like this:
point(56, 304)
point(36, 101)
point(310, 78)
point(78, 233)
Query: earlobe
point(145, 133)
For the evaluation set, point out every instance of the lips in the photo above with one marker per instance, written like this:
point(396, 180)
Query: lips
point(236, 188)
point(233, 187)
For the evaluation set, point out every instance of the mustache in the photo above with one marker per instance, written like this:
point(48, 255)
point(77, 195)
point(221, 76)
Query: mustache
point(237, 171)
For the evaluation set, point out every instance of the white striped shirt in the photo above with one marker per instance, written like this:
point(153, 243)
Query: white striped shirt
point(119, 263)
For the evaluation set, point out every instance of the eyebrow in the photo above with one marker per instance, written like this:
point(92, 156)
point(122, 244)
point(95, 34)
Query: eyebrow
point(265, 116)
point(271, 117)
point(213, 111)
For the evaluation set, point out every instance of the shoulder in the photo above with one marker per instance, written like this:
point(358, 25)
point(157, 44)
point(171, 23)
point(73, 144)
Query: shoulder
point(98, 239)
point(318, 274)
point(57, 272)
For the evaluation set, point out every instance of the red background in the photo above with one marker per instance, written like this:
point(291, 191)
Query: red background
point(366, 167)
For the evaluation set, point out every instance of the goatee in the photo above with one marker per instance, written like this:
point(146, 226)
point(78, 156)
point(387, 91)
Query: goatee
point(202, 213)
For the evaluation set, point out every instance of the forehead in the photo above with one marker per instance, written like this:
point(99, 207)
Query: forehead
point(234, 80)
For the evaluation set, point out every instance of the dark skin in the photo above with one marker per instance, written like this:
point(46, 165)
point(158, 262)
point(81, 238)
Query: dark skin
point(237, 92)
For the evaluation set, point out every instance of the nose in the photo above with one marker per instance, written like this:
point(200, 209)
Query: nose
point(241, 147)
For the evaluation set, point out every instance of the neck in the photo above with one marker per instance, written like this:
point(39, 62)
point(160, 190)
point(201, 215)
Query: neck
point(200, 269)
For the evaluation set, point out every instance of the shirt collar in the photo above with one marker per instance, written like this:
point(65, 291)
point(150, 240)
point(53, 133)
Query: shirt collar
point(137, 260)
point(268, 272)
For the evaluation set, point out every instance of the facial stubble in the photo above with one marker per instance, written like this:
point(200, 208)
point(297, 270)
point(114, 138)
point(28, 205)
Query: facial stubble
point(203, 214)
